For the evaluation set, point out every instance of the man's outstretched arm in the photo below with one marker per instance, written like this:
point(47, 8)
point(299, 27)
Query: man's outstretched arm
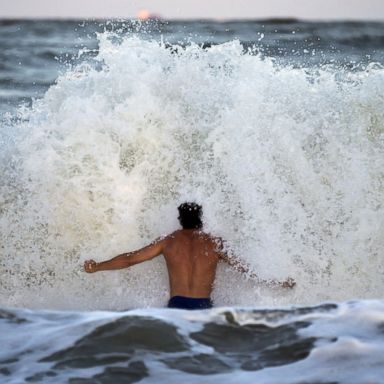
point(244, 269)
point(126, 260)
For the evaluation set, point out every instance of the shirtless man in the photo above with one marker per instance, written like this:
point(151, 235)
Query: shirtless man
point(191, 256)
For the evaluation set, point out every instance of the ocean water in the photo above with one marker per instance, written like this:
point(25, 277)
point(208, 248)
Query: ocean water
point(275, 127)
point(325, 344)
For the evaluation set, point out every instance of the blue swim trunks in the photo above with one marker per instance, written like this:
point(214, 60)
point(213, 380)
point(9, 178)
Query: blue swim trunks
point(182, 302)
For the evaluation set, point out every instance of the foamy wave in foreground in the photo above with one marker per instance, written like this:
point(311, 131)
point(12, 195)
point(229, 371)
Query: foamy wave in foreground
point(325, 344)
point(287, 163)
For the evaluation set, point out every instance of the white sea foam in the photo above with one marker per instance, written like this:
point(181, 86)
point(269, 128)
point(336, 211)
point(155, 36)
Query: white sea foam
point(287, 163)
point(347, 344)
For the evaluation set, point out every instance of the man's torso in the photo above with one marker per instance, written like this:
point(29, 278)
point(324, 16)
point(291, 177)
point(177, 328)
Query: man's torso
point(191, 257)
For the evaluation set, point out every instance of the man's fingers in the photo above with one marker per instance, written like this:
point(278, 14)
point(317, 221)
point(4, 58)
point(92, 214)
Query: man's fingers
point(289, 283)
point(89, 266)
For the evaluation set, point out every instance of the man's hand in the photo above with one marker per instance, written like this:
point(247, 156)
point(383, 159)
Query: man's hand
point(90, 266)
point(289, 283)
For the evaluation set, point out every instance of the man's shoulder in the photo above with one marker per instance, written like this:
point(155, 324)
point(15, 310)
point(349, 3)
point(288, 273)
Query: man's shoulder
point(210, 237)
point(174, 234)
point(206, 236)
point(215, 241)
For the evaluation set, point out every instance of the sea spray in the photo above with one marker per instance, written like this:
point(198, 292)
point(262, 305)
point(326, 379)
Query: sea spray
point(287, 163)
point(340, 342)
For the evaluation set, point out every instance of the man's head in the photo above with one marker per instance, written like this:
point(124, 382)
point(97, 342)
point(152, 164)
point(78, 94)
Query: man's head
point(190, 216)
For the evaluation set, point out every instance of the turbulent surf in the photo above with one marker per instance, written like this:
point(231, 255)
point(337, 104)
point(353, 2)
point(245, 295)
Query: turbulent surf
point(287, 161)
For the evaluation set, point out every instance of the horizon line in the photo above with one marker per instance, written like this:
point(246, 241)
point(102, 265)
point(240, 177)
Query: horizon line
point(277, 19)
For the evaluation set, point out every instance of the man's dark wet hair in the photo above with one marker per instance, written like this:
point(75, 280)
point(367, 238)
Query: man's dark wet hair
point(190, 216)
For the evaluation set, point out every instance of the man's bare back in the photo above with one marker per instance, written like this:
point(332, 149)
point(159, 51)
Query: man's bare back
point(191, 256)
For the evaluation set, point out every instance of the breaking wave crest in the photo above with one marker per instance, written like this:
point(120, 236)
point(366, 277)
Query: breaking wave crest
point(287, 163)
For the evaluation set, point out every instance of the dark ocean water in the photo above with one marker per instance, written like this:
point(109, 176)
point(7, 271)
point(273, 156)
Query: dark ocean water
point(276, 127)
point(34, 52)
point(324, 344)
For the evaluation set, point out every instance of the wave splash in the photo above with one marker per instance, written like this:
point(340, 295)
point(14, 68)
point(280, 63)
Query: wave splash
point(287, 163)
point(342, 342)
